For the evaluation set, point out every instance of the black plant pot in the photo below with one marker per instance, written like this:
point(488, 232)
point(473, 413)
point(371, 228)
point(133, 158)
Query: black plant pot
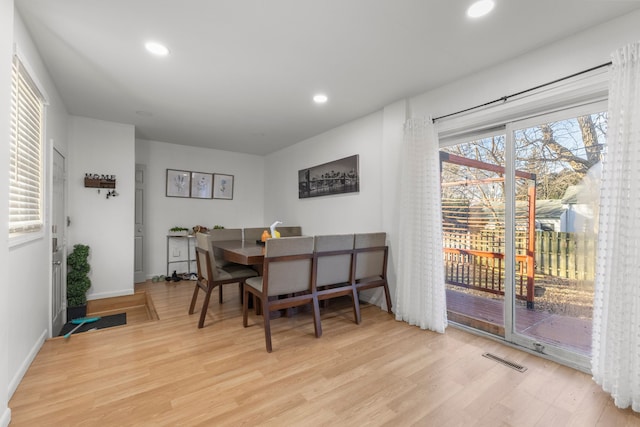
point(76, 312)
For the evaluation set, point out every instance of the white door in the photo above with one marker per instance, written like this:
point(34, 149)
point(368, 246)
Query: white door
point(139, 273)
point(58, 290)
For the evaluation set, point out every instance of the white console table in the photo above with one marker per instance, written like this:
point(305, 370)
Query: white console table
point(181, 254)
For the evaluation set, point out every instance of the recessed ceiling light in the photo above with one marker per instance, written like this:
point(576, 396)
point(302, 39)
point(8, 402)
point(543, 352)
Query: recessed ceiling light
point(480, 8)
point(320, 98)
point(157, 48)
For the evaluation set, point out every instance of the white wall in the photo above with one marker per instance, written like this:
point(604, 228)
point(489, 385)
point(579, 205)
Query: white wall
point(343, 213)
point(29, 264)
point(6, 38)
point(163, 213)
point(565, 57)
point(106, 225)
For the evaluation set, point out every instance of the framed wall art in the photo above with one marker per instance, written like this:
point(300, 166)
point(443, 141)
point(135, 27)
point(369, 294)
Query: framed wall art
point(222, 186)
point(337, 177)
point(201, 185)
point(178, 183)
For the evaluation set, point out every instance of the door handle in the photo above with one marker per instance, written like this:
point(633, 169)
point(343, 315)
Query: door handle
point(57, 262)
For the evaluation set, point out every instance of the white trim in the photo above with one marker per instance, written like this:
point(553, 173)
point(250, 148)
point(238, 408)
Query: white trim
point(110, 294)
point(18, 239)
point(32, 75)
point(15, 382)
point(5, 419)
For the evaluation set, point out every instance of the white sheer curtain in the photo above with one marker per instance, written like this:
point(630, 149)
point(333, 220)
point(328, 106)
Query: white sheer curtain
point(420, 294)
point(616, 318)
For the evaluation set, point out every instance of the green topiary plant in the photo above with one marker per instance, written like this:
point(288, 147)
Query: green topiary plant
point(78, 283)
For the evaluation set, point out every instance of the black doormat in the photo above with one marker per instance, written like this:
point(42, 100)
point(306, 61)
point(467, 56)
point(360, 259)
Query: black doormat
point(104, 322)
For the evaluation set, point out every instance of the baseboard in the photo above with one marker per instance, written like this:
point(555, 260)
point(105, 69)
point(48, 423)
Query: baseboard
point(5, 419)
point(110, 294)
point(15, 382)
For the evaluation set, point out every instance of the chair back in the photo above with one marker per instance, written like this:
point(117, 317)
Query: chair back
point(370, 263)
point(223, 234)
point(333, 269)
point(288, 265)
point(290, 231)
point(203, 257)
point(226, 234)
point(253, 233)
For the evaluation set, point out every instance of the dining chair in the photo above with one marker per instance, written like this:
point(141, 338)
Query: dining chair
point(334, 269)
point(370, 263)
point(211, 276)
point(287, 281)
point(224, 234)
point(290, 231)
point(252, 234)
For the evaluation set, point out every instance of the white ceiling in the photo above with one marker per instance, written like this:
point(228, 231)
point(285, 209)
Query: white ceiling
point(241, 73)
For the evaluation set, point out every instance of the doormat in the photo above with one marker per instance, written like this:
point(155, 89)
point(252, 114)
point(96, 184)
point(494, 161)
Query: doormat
point(104, 322)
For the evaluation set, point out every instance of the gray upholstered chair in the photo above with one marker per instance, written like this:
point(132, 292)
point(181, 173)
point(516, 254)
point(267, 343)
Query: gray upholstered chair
point(287, 281)
point(252, 234)
point(211, 276)
point(290, 231)
point(224, 234)
point(371, 254)
point(334, 272)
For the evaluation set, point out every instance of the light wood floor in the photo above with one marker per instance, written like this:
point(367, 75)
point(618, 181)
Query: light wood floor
point(381, 372)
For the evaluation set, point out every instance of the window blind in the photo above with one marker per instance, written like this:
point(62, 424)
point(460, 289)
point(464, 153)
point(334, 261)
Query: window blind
point(25, 168)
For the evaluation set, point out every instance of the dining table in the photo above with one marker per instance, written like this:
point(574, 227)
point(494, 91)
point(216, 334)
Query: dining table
point(244, 252)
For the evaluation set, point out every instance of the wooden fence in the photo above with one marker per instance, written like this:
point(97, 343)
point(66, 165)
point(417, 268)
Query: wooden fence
point(476, 260)
point(566, 255)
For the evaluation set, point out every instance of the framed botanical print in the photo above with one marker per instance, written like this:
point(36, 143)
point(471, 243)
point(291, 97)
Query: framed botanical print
point(178, 183)
point(222, 186)
point(201, 185)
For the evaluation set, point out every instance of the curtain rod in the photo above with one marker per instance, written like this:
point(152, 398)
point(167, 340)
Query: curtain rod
point(506, 97)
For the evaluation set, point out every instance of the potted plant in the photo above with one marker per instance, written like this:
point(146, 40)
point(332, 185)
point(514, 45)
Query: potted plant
point(178, 231)
point(78, 282)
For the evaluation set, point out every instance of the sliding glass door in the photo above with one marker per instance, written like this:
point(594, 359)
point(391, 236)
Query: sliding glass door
point(473, 225)
point(520, 222)
point(564, 150)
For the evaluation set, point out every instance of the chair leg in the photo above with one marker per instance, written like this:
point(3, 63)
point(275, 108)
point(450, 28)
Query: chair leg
point(356, 305)
point(266, 316)
point(220, 294)
point(194, 298)
point(257, 303)
point(388, 297)
point(316, 316)
point(241, 287)
point(205, 307)
point(245, 307)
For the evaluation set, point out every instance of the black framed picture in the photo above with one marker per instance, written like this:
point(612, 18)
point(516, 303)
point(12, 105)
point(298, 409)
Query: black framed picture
point(337, 177)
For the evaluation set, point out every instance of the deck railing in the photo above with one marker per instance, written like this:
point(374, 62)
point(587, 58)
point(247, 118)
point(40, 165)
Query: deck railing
point(484, 271)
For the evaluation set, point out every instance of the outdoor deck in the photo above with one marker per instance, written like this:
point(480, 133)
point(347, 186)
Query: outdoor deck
point(488, 314)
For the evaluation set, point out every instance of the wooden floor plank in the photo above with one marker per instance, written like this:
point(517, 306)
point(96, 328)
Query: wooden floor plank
point(381, 372)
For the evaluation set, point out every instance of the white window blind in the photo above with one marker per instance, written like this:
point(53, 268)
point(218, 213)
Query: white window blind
point(25, 169)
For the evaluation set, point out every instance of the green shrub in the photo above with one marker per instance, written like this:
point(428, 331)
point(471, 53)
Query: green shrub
point(78, 283)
